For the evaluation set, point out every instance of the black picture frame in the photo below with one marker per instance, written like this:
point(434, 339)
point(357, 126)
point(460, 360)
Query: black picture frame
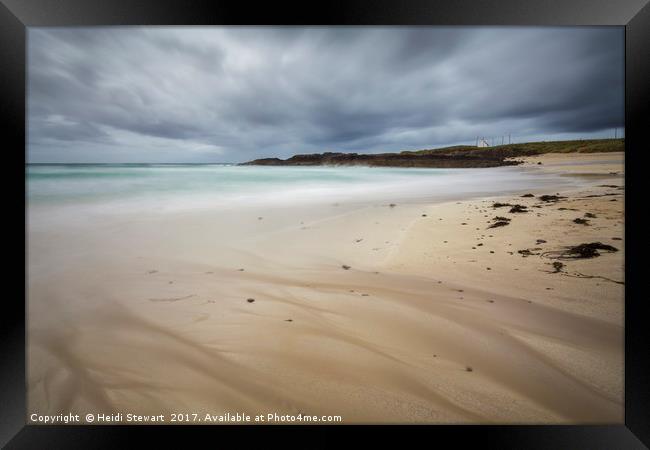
point(634, 15)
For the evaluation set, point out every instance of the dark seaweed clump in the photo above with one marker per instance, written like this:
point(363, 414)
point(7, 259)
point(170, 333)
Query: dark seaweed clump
point(588, 250)
point(500, 222)
point(518, 209)
point(550, 198)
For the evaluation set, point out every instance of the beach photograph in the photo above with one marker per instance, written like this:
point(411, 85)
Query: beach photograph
point(325, 225)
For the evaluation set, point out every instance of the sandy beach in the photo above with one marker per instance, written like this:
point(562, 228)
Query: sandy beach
point(404, 312)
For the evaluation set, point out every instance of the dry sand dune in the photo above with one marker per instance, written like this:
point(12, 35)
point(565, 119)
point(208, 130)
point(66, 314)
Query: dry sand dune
point(435, 317)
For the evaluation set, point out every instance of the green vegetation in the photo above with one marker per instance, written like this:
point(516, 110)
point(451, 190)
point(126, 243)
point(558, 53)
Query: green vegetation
point(528, 148)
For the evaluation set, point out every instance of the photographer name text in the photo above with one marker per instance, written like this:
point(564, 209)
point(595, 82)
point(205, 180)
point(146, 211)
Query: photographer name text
point(101, 418)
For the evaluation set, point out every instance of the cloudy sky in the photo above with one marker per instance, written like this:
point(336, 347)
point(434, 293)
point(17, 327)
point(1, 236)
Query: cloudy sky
point(231, 94)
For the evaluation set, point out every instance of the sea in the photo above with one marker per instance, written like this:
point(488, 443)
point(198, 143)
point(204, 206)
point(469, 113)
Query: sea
point(177, 187)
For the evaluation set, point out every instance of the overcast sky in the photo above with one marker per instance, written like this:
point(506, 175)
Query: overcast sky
point(231, 94)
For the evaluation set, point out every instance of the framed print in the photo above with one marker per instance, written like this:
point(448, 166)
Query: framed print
point(314, 220)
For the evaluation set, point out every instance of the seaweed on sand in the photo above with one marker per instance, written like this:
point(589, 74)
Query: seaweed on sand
point(518, 209)
point(550, 198)
point(588, 250)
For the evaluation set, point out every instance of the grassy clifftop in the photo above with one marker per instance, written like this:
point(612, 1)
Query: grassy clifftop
point(529, 148)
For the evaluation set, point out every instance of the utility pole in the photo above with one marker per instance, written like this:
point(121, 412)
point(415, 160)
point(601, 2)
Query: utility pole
point(615, 131)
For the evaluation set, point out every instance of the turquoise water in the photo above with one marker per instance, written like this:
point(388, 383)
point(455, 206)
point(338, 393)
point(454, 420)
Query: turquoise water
point(183, 186)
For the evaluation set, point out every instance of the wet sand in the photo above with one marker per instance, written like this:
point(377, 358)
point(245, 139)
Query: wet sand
point(416, 312)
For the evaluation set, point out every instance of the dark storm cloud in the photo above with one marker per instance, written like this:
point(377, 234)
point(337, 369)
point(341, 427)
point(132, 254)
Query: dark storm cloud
point(237, 93)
